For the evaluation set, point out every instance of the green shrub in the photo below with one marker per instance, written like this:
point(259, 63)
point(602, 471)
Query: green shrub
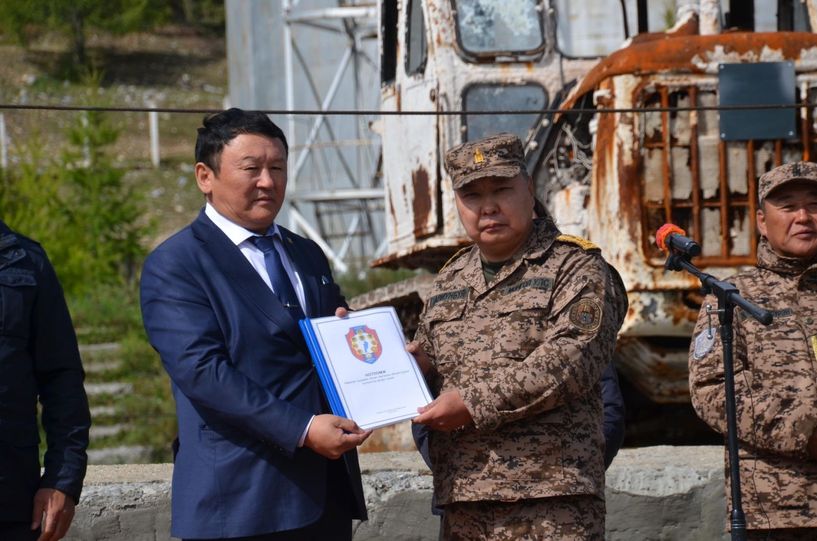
point(90, 222)
point(150, 408)
point(353, 283)
point(105, 313)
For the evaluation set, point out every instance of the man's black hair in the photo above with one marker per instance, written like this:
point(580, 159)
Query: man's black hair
point(219, 129)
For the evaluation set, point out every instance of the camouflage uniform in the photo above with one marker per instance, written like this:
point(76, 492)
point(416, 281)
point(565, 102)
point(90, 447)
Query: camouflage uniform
point(525, 353)
point(563, 518)
point(775, 388)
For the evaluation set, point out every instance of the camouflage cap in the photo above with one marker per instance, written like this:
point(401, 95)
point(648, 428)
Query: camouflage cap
point(500, 155)
point(789, 172)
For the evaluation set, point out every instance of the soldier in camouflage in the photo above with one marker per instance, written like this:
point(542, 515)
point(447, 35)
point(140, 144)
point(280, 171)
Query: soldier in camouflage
point(514, 337)
point(775, 370)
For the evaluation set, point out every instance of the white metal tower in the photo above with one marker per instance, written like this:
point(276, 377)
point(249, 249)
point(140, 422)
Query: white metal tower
point(317, 55)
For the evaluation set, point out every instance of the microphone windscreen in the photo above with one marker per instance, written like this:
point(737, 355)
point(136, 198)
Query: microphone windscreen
point(663, 232)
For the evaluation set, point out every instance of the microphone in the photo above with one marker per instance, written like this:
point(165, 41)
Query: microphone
point(671, 239)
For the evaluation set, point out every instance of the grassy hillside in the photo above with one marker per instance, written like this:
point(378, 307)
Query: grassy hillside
point(174, 67)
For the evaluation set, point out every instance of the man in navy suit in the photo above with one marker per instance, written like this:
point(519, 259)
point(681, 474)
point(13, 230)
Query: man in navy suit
point(258, 456)
point(39, 359)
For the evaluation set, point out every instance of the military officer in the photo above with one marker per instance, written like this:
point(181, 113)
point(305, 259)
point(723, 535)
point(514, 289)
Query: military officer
point(514, 337)
point(775, 371)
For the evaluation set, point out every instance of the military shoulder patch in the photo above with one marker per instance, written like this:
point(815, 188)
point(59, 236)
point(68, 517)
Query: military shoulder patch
point(584, 244)
point(586, 314)
point(703, 344)
point(455, 256)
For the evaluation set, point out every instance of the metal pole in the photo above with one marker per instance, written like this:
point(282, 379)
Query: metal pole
point(313, 234)
point(4, 153)
point(737, 517)
point(710, 17)
point(642, 24)
point(153, 122)
point(86, 148)
point(290, 100)
point(301, 150)
point(288, 71)
point(728, 297)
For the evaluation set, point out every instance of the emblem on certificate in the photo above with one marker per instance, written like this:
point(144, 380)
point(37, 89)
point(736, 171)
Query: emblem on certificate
point(364, 344)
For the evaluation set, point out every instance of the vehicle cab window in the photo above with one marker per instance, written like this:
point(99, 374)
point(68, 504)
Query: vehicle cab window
point(388, 50)
point(589, 28)
point(491, 28)
point(496, 97)
point(417, 50)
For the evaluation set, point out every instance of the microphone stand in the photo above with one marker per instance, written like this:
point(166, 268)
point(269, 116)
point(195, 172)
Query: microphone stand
point(728, 297)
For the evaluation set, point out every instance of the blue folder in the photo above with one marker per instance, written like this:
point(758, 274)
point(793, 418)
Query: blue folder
point(323, 370)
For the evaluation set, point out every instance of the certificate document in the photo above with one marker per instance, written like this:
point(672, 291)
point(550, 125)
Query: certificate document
point(364, 367)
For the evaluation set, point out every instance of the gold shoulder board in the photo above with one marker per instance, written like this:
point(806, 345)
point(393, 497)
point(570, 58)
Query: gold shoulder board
point(584, 244)
point(455, 256)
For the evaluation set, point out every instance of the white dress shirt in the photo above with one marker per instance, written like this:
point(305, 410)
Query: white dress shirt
point(241, 238)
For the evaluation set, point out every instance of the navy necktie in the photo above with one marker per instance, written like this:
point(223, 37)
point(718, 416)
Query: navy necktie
point(278, 275)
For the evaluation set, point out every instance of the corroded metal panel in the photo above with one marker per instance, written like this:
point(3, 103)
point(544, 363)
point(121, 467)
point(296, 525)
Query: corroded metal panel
point(658, 371)
point(654, 167)
point(659, 53)
point(413, 146)
point(410, 163)
point(410, 153)
point(611, 177)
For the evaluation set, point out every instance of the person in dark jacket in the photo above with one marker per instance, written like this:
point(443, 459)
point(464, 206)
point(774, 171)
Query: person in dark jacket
point(39, 358)
point(613, 423)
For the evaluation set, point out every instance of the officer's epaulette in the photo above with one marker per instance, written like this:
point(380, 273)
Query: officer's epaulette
point(455, 256)
point(584, 244)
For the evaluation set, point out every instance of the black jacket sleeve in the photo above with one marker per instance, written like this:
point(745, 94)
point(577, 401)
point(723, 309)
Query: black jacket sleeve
point(613, 414)
point(59, 375)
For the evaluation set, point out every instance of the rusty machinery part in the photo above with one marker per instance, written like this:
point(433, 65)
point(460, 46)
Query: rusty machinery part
point(666, 53)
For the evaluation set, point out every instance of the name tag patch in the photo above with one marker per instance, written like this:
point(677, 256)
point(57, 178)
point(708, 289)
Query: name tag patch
point(532, 283)
point(448, 296)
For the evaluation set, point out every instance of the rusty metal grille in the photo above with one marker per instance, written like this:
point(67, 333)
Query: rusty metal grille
point(702, 184)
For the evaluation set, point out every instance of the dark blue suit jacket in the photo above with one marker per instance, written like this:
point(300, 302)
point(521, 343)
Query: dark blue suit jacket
point(244, 385)
point(38, 359)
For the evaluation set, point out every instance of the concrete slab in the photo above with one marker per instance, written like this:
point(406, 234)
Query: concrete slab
point(654, 493)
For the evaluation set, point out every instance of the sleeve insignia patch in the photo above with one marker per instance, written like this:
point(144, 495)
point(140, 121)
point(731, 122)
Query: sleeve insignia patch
point(703, 344)
point(586, 314)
